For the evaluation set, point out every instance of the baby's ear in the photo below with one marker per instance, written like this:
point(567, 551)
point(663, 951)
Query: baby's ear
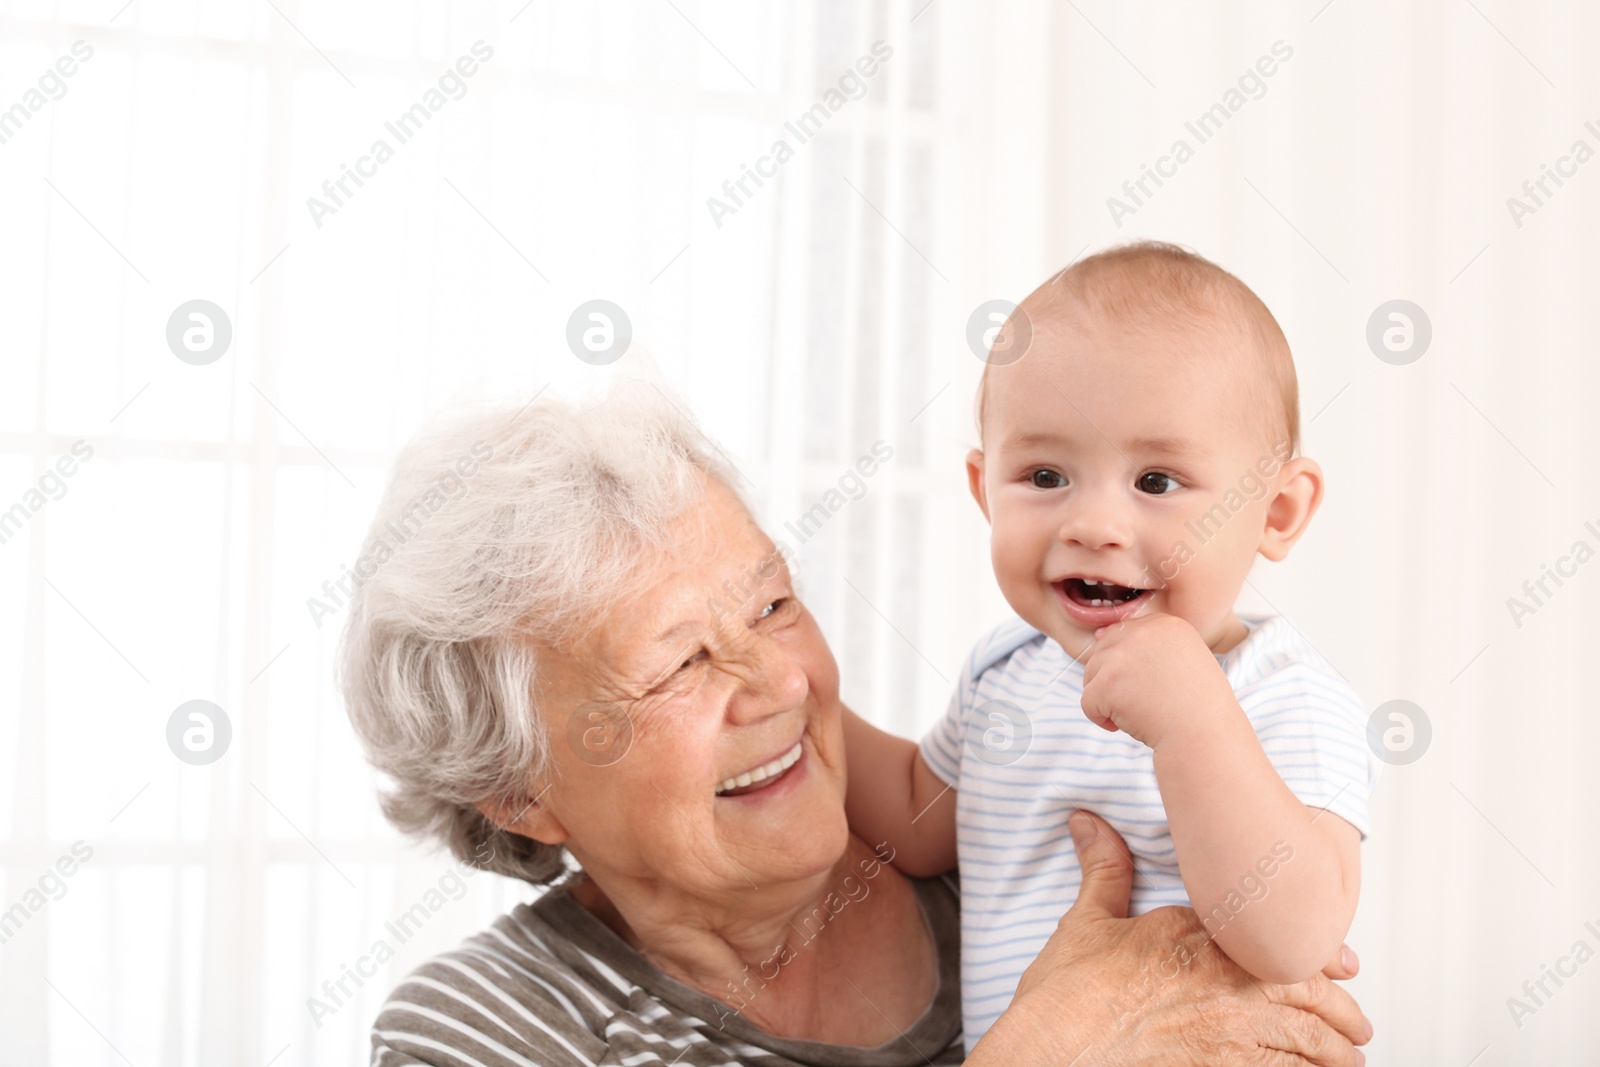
point(975, 480)
point(1291, 507)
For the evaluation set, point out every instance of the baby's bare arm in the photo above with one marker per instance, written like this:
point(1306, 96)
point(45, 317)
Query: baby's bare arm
point(894, 798)
point(1274, 881)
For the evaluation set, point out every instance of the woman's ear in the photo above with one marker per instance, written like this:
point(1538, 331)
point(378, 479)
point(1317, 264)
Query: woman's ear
point(975, 480)
point(526, 816)
point(1291, 507)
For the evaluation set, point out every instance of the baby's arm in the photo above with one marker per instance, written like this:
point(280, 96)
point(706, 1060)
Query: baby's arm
point(1274, 881)
point(894, 797)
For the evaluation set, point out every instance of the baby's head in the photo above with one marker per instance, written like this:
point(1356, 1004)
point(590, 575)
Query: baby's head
point(1142, 450)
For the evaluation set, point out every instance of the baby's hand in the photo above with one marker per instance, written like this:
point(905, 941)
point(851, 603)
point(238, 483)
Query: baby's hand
point(1146, 673)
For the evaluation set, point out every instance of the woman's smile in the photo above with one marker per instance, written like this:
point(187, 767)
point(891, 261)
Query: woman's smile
point(765, 778)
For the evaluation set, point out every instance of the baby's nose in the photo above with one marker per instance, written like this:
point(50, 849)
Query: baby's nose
point(1097, 524)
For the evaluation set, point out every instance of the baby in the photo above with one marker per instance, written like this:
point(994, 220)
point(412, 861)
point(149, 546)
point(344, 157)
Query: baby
point(1134, 461)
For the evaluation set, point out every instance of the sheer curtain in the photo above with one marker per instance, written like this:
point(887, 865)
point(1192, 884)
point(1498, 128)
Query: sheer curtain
point(388, 205)
point(812, 304)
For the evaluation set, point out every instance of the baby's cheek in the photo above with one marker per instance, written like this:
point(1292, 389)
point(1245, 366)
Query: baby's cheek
point(1012, 567)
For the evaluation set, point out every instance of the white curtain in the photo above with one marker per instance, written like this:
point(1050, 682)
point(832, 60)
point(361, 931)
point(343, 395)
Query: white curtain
point(212, 910)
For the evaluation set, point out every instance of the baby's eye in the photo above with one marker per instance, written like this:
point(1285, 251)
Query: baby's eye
point(1046, 479)
point(1157, 484)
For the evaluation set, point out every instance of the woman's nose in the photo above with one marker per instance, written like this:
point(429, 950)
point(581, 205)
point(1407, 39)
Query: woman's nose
point(770, 680)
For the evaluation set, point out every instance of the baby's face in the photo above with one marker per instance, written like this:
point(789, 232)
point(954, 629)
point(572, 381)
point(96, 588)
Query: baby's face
point(1123, 474)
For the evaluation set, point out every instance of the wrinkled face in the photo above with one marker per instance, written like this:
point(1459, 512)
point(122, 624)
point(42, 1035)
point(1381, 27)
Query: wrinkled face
point(1125, 473)
point(695, 735)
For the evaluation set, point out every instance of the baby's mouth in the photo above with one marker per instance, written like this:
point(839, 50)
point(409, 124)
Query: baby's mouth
point(1094, 593)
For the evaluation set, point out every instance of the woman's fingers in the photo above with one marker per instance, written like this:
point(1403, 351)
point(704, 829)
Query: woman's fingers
point(1330, 1002)
point(1107, 870)
point(1307, 1039)
point(1344, 965)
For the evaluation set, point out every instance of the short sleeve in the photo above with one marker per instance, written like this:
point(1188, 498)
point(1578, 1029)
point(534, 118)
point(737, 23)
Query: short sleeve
point(1312, 727)
point(941, 746)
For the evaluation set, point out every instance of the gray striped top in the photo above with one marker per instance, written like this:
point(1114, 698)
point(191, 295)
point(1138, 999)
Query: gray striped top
point(550, 985)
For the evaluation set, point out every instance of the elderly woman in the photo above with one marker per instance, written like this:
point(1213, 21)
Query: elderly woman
point(583, 664)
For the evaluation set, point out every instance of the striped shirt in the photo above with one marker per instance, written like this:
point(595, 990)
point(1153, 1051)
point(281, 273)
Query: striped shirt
point(1022, 756)
point(550, 985)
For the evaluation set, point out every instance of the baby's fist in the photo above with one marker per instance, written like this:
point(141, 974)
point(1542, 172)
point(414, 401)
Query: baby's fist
point(1145, 674)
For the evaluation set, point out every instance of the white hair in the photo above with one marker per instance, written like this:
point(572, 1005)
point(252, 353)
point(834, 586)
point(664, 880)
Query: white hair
point(504, 527)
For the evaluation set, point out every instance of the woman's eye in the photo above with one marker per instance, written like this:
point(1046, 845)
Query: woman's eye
point(772, 608)
point(1046, 479)
point(1156, 483)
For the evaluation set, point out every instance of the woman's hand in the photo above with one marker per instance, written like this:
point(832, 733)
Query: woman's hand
point(1113, 991)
